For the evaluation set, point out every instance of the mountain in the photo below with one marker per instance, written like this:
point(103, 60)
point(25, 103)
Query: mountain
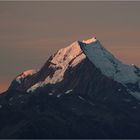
point(82, 91)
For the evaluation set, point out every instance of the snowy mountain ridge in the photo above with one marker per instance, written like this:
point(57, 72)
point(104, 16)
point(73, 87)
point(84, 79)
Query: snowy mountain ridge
point(74, 54)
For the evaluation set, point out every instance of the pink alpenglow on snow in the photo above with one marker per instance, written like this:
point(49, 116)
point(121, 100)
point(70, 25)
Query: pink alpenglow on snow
point(25, 74)
point(92, 40)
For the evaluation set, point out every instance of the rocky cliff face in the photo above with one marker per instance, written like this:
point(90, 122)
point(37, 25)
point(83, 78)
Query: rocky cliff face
point(82, 91)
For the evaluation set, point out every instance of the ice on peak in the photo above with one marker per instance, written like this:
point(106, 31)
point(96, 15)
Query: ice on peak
point(64, 58)
point(65, 55)
point(89, 41)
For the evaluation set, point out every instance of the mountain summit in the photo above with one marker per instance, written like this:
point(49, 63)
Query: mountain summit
point(67, 59)
point(82, 91)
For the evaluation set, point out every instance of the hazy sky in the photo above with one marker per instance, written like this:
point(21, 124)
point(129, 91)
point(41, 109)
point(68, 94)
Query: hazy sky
point(31, 31)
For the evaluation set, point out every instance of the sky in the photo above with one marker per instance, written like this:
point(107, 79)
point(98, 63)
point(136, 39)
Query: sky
point(32, 31)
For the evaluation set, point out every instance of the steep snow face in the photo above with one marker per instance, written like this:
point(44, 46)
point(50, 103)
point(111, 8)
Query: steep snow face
point(108, 64)
point(64, 59)
point(112, 67)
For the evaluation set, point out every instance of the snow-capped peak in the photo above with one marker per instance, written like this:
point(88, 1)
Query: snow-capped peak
point(65, 60)
point(65, 55)
point(89, 41)
point(60, 62)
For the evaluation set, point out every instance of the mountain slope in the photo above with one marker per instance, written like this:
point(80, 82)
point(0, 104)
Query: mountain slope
point(66, 59)
point(82, 91)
